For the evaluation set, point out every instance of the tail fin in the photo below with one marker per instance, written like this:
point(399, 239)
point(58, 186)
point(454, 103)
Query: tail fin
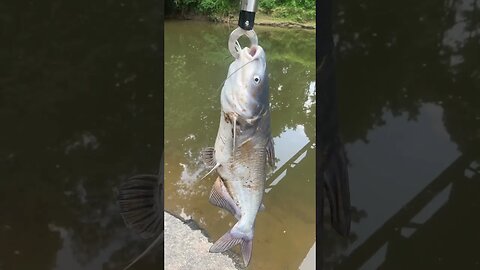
point(233, 238)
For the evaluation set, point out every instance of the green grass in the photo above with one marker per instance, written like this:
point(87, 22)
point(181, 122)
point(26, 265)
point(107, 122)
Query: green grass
point(292, 10)
point(298, 11)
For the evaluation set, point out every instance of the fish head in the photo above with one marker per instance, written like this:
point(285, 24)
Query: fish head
point(246, 89)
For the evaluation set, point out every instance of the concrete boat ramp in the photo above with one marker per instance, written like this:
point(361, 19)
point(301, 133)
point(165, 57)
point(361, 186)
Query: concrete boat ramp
point(186, 248)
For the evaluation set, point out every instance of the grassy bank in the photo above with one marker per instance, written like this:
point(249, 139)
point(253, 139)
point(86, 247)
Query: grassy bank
point(264, 19)
point(271, 12)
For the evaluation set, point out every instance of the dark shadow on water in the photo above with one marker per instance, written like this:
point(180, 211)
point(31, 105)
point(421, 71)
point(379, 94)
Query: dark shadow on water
point(80, 109)
point(413, 63)
point(434, 240)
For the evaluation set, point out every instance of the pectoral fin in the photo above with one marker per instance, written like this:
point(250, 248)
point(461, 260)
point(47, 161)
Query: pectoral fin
point(214, 168)
point(270, 152)
point(208, 156)
point(220, 197)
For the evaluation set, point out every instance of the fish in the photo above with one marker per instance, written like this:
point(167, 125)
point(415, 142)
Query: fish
point(140, 201)
point(243, 148)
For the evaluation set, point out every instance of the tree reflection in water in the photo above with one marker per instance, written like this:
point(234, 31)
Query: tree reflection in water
point(395, 59)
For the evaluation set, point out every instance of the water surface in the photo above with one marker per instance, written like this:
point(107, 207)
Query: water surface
point(80, 110)
point(409, 97)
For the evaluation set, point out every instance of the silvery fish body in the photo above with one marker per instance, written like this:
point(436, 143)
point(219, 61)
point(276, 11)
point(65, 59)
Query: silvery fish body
point(242, 148)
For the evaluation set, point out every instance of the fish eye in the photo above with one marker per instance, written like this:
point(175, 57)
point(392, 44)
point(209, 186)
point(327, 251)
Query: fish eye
point(256, 79)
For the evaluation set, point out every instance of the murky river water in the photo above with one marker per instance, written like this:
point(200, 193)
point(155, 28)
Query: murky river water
point(196, 63)
point(408, 79)
point(80, 110)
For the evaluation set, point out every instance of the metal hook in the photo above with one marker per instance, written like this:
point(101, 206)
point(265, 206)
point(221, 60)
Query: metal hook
point(236, 34)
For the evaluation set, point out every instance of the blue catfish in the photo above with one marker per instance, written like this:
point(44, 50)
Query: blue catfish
point(243, 148)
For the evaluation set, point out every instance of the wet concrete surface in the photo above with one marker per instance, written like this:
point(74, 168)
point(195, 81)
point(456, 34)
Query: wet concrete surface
point(187, 248)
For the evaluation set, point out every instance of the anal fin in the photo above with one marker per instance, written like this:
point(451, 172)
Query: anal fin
point(220, 197)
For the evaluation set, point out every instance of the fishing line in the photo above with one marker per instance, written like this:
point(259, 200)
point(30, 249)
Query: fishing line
point(234, 73)
point(154, 243)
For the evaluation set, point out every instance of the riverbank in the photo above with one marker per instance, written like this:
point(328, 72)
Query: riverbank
point(186, 247)
point(260, 19)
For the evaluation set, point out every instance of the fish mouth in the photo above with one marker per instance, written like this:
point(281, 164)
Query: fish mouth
point(254, 52)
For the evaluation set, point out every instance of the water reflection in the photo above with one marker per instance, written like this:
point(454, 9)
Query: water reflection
point(408, 80)
point(80, 111)
point(197, 60)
